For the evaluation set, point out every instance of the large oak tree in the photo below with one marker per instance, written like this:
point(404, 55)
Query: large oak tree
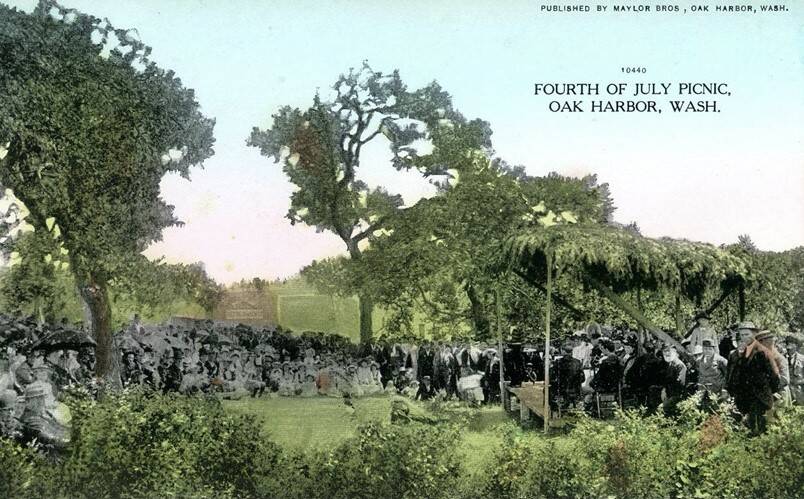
point(320, 151)
point(89, 125)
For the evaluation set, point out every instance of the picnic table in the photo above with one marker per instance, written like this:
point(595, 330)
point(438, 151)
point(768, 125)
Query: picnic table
point(531, 399)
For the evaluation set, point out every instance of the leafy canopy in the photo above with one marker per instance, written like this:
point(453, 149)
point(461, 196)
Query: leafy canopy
point(88, 128)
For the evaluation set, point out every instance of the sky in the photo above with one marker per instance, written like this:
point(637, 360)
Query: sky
point(701, 176)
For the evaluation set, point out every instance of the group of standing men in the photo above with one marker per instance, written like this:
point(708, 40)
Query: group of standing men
point(745, 364)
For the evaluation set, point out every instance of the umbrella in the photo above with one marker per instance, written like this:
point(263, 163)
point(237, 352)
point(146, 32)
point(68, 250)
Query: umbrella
point(128, 344)
point(64, 339)
point(157, 343)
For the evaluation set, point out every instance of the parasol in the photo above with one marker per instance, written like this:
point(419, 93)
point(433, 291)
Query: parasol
point(64, 339)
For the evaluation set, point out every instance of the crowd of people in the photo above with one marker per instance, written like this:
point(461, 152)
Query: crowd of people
point(756, 369)
point(244, 361)
point(744, 363)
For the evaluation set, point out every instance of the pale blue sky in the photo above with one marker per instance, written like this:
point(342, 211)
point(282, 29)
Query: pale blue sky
point(707, 177)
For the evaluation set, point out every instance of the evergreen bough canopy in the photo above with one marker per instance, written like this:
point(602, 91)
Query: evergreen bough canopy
point(624, 260)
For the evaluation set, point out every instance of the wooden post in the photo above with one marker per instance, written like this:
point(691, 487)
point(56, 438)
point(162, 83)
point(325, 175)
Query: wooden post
point(558, 299)
point(503, 391)
point(547, 341)
point(726, 293)
point(679, 323)
point(633, 312)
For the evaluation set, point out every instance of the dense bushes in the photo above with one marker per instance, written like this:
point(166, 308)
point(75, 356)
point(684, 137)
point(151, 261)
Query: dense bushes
point(406, 461)
point(636, 456)
point(17, 468)
point(140, 444)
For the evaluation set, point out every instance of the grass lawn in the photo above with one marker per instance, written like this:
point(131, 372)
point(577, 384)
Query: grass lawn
point(322, 423)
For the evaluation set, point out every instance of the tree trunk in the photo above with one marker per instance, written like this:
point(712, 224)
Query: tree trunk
point(479, 318)
point(365, 303)
point(95, 295)
point(366, 327)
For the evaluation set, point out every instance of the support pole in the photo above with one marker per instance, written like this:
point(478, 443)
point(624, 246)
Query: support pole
point(633, 312)
point(547, 342)
point(503, 392)
point(726, 293)
point(578, 314)
point(679, 322)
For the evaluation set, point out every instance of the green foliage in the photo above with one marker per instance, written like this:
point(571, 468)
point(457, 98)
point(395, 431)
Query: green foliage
point(37, 287)
point(139, 444)
point(154, 289)
point(625, 260)
point(774, 292)
point(91, 155)
point(89, 126)
point(320, 148)
point(441, 257)
point(697, 455)
point(408, 461)
point(18, 467)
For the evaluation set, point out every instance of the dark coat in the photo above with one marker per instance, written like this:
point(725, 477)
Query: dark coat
point(752, 380)
point(425, 393)
point(609, 375)
point(424, 364)
point(567, 377)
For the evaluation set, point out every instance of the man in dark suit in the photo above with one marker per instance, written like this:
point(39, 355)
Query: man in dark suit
point(567, 379)
point(424, 363)
point(753, 379)
point(609, 372)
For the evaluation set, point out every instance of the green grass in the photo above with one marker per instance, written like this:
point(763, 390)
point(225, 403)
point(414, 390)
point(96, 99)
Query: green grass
point(319, 423)
point(322, 423)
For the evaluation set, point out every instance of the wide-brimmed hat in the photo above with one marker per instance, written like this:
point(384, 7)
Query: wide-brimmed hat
point(747, 325)
point(764, 335)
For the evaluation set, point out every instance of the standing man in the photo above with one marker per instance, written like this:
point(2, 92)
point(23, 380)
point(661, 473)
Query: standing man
point(745, 335)
point(712, 369)
point(795, 361)
point(675, 379)
point(728, 342)
point(753, 379)
point(702, 331)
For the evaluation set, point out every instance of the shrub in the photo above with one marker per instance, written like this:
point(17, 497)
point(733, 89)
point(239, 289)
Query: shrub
point(140, 444)
point(405, 461)
point(18, 466)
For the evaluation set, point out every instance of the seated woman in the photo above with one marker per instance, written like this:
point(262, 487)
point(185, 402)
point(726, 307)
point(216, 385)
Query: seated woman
point(253, 377)
point(348, 382)
point(369, 378)
point(325, 381)
point(308, 386)
point(193, 380)
point(469, 387)
point(287, 383)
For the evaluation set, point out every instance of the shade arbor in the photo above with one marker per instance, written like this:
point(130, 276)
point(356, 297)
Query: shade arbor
point(613, 260)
